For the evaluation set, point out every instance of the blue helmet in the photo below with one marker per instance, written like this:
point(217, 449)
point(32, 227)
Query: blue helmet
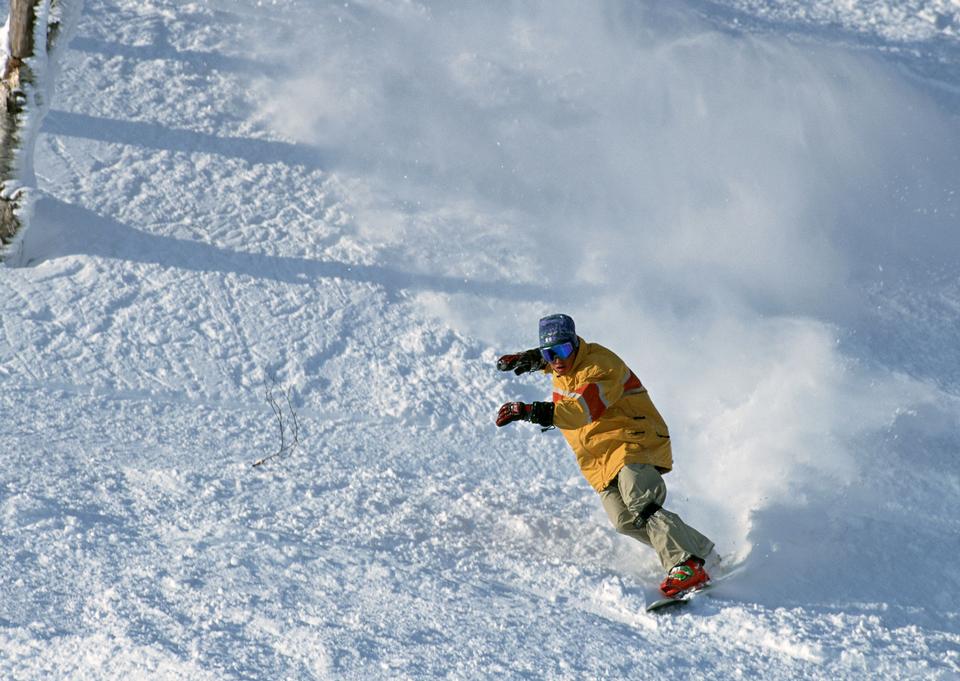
point(556, 329)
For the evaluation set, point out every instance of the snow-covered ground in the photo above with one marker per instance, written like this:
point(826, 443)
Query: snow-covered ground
point(754, 203)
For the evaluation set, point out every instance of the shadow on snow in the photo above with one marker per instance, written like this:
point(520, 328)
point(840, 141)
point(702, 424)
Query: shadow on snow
point(61, 229)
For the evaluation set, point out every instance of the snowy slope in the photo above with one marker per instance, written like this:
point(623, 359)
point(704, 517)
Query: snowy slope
point(755, 204)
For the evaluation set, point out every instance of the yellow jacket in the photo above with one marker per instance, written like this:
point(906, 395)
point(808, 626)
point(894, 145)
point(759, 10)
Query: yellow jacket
point(607, 416)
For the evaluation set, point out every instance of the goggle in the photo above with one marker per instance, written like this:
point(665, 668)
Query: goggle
point(560, 351)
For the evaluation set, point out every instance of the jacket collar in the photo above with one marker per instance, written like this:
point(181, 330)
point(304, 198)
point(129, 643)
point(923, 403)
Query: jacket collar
point(581, 355)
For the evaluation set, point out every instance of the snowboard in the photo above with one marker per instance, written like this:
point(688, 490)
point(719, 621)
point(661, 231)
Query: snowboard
point(660, 601)
point(657, 601)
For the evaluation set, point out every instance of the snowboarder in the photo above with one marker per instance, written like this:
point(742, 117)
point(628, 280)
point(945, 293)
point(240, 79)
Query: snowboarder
point(621, 442)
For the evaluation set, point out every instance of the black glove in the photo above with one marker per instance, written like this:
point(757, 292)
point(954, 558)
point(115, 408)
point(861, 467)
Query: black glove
point(522, 362)
point(540, 413)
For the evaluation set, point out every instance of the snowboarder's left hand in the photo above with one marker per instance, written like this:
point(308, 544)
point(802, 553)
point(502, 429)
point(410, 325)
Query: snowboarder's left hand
point(522, 362)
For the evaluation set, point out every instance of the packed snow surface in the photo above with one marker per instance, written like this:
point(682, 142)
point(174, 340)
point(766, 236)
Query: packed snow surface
point(360, 205)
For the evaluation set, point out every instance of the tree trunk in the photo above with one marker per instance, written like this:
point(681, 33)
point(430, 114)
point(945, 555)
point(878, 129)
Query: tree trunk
point(15, 74)
point(21, 27)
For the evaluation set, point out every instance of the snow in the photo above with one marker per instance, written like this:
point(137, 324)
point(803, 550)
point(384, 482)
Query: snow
point(755, 204)
point(900, 21)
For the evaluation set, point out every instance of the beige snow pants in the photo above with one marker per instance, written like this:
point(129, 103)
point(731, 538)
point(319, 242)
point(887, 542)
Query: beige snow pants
point(636, 486)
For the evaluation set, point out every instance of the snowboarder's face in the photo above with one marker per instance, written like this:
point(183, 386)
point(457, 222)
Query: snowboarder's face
point(563, 366)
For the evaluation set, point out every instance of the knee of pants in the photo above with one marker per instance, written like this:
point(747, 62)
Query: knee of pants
point(624, 524)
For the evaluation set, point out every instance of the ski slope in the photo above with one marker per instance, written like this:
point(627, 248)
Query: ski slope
point(754, 203)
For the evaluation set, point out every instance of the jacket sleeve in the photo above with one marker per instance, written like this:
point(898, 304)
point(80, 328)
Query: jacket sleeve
point(600, 387)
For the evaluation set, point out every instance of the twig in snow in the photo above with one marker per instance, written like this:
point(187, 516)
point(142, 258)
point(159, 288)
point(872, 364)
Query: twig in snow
point(285, 421)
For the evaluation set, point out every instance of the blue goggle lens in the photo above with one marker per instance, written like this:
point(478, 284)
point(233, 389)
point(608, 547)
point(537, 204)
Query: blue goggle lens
point(561, 351)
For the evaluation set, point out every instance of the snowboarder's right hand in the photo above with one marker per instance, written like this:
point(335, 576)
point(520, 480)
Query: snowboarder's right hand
point(540, 413)
point(513, 411)
point(522, 362)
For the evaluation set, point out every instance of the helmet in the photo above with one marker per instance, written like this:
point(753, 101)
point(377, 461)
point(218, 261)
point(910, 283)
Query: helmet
point(556, 329)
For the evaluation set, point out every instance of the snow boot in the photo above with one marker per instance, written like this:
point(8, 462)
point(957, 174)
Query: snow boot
point(688, 576)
